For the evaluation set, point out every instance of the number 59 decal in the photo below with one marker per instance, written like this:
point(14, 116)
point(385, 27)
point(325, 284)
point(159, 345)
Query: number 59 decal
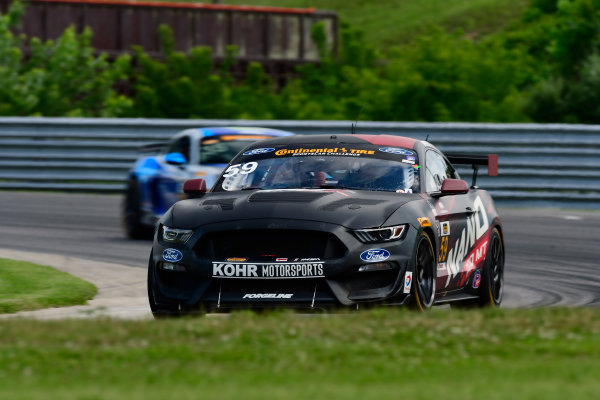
point(243, 169)
point(443, 249)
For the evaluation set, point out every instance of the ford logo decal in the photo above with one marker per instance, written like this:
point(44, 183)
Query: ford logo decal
point(395, 150)
point(374, 255)
point(172, 255)
point(258, 151)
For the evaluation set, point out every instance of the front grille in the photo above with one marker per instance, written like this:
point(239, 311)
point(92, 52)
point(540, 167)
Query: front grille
point(257, 245)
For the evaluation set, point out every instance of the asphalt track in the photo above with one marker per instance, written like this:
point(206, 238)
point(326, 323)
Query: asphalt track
point(552, 256)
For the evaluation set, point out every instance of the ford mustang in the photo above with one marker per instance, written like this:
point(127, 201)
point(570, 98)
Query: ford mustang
point(155, 182)
point(323, 222)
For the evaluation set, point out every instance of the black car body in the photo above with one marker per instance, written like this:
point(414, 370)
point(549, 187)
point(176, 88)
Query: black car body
point(329, 221)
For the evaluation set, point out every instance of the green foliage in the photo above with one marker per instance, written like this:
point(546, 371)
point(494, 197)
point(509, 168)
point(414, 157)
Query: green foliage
point(544, 68)
point(441, 77)
point(445, 77)
point(538, 7)
point(60, 78)
point(567, 51)
point(577, 33)
point(191, 86)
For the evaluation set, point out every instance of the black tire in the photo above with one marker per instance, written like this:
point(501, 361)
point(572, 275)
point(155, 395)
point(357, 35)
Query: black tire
point(491, 288)
point(158, 309)
point(424, 275)
point(132, 213)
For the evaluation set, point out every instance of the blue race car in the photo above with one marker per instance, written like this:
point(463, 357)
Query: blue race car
point(155, 182)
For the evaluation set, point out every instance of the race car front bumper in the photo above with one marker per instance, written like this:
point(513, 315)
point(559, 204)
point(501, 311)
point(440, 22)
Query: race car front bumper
point(276, 263)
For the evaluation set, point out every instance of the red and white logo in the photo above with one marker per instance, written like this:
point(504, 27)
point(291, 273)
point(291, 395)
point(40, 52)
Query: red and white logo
point(407, 281)
point(476, 256)
point(476, 279)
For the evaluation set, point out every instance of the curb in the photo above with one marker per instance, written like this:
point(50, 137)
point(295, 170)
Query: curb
point(121, 294)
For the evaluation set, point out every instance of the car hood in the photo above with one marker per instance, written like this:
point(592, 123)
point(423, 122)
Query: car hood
point(353, 209)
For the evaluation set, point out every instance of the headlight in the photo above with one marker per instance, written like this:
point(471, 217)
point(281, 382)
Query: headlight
point(176, 235)
point(379, 235)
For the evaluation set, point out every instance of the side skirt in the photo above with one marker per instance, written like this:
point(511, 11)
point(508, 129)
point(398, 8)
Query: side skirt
point(455, 297)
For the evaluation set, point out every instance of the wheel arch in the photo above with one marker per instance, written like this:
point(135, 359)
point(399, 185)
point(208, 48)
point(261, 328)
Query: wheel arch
point(428, 230)
point(498, 226)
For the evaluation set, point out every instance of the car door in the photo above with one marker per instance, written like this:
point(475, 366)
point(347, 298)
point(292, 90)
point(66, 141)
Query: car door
point(453, 214)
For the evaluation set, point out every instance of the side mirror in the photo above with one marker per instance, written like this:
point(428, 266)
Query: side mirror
point(194, 188)
point(454, 186)
point(175, 159)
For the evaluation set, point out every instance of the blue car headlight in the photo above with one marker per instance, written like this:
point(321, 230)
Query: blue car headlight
point(175, 235)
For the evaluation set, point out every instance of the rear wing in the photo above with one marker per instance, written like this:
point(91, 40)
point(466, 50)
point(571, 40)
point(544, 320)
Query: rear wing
point(491, 161)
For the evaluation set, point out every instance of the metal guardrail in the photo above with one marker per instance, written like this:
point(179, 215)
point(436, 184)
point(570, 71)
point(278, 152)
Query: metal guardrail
point(540, 164)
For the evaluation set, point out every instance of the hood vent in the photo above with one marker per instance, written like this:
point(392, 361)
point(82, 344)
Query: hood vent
point(348, 202)
point(287, 196)
point(225, 204)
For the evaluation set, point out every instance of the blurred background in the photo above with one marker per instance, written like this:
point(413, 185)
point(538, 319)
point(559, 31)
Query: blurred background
point(515, 77)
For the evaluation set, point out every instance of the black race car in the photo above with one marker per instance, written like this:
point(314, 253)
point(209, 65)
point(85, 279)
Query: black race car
point(330, 221)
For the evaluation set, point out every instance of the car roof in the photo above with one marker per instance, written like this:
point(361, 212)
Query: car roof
point(241, 130)
point(329, 139)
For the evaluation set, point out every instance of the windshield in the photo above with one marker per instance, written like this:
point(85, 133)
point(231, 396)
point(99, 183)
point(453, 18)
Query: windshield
point(365, 167)
point(221, 149)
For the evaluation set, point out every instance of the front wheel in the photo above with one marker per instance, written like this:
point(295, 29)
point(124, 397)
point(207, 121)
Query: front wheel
point(132, 213)
point(158, 309)
point(424, 274)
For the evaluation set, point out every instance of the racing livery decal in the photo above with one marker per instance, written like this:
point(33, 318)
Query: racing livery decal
point(396, 150)
point(258, 151)
point(476, 279)
point(268, 296)
point(424, 221)
point(172, 255)
point(267, 270)
point(443, 249)
point(407, 281)
point(472, 235)
point(337, 151)
point(445, 228)
point(375, 255)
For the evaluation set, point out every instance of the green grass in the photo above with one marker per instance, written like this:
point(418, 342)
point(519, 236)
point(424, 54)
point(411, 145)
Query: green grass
point(27, 286)
point(446, 354)
point(391, 22)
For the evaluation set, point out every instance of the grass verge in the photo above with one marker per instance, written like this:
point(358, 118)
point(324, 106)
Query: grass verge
point(493, 354)
point(27, 286)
